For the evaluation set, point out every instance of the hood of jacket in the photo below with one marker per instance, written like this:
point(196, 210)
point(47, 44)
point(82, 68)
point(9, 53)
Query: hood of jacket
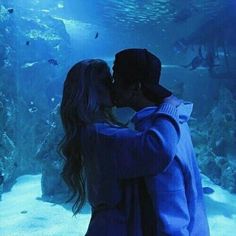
point(142, 116)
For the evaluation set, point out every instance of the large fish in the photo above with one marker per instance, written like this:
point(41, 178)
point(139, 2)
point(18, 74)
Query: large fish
point(195, 63)
point(183, 15)
point(208, 61)
point(180, 46)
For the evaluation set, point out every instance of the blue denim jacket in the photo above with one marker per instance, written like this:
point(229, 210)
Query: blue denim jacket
point(116, 160)
point(176, 193)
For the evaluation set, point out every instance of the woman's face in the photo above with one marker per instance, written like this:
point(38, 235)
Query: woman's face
point(103, 88)
point(122, 94)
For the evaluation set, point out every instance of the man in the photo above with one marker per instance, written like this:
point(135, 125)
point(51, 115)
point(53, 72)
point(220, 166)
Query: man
point(171, 202)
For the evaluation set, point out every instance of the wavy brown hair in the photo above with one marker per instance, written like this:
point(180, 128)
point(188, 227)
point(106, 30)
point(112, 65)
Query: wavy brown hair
point(79, 107)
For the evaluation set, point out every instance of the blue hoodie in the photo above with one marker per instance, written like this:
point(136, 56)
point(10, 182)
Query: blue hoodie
point(115, 160)
point(176, 193)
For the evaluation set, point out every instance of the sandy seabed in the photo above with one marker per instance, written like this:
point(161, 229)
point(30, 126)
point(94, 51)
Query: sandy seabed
point(23, 214)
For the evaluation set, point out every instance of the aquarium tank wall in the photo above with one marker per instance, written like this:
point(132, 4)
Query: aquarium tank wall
point(39, 42)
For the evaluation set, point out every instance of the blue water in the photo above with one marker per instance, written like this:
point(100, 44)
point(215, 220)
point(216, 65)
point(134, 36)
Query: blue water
point(41, 39)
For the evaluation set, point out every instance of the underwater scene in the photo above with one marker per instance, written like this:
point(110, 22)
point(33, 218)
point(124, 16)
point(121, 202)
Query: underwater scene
point(39, 42)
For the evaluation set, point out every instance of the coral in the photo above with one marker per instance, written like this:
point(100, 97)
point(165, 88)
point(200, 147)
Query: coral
point(215, 141)
point(228, 178)
point(3, 14)
point(28, 40)
point(8, 163)
point(52, 184)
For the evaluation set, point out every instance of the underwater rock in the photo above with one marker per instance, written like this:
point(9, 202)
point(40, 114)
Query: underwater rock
point(220, 148)
point(221, 161)
point(27, 70)
point(7, 162)
point(214, 170)
point(215, 142)
point(7, 143)
point(199, 137)
point(52, 183)
point(228, 178)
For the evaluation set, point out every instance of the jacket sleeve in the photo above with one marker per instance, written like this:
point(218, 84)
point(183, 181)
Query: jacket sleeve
point(144, 153)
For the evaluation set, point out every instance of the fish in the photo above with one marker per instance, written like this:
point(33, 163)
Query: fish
point(53, 62)
point(183, 15)
point(27, 43)
point(208, 61)
point(29, 64)
point(208, 190)
point(180, 45)
point(33, 109)
point(197, 61)
point(96, 35)
point(10, 10)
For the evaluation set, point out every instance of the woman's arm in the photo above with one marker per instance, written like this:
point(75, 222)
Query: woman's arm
point(142, 153)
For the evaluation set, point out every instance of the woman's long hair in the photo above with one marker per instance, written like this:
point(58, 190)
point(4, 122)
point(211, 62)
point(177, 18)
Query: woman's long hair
point(79, 107)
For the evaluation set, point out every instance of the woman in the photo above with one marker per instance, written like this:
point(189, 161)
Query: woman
point(106, 156)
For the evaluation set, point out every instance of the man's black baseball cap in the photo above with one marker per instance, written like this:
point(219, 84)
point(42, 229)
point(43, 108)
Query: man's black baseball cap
point(134, 66)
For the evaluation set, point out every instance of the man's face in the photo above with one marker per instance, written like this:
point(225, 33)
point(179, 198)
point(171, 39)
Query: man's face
point(121, 94)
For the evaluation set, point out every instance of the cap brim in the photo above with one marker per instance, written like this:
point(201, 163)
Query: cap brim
point(156, 93)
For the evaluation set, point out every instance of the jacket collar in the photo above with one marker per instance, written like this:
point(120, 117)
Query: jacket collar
point(184, 111)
